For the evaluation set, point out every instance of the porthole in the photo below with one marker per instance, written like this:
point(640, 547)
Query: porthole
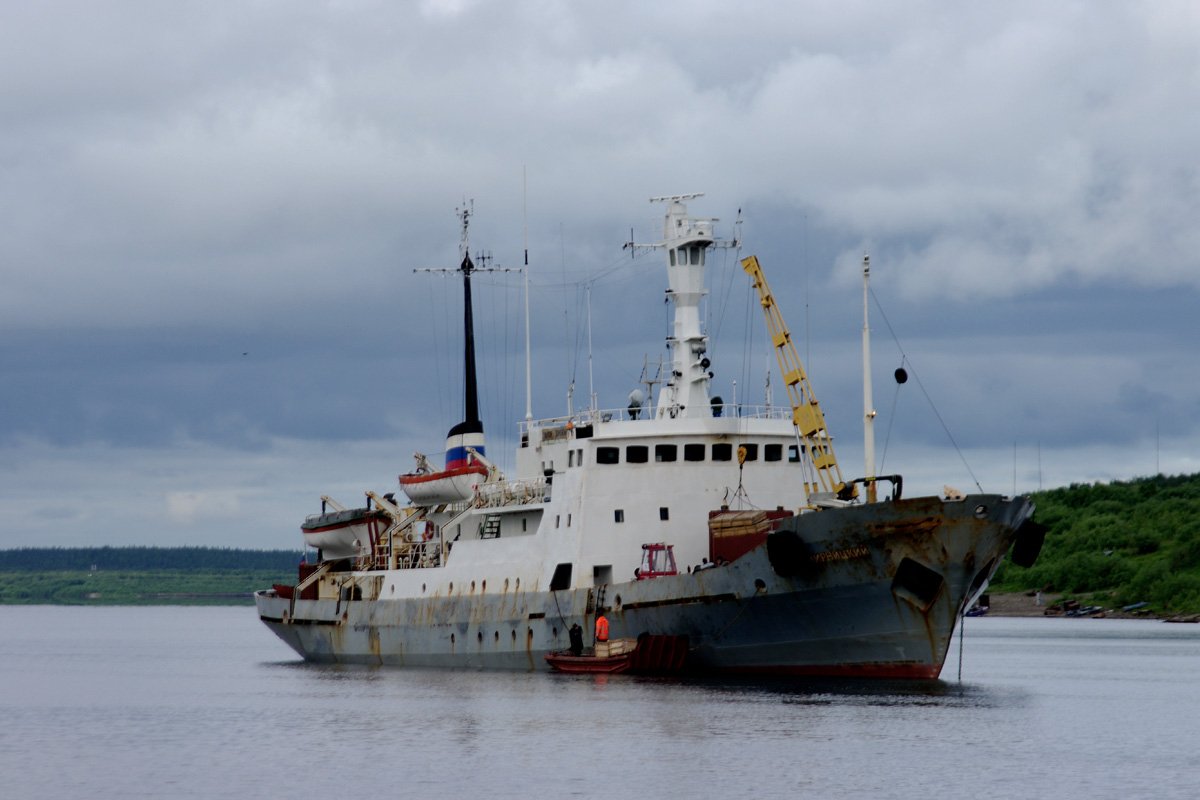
point(618, 601)
point(981, 511)
point(554, 632)
point(514, 634)
point(760, 584)
point(481, 637)
point(452, 638)
point(497, 636)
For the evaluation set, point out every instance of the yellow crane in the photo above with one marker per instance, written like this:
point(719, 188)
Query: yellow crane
point(806, 413)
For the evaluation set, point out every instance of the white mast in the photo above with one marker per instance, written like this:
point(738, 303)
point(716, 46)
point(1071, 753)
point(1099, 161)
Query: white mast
point(868, 403)
point(528, 361)
point(686, 241)
point(591, 386)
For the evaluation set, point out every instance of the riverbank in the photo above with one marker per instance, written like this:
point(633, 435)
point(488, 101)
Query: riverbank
point(1020, 604)
point(136, 587)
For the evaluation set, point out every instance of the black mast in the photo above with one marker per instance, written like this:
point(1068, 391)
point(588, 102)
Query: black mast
point(470, 388)
point(471, 422)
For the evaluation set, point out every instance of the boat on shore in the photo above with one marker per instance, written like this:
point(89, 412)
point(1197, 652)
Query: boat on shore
point(796, 570)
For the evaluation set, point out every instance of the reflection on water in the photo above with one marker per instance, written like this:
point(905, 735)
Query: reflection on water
point(204, 701)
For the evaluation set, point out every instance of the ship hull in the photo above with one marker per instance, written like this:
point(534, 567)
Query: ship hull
point(864, 591)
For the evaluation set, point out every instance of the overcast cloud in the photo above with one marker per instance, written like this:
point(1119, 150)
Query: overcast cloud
point(211, 212)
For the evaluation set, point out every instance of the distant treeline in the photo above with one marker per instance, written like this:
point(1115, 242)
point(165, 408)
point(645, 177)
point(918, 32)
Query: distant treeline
point(1118, 543)
point(207, 559)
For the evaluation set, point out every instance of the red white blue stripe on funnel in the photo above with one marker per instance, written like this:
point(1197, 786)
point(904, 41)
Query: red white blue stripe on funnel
point(456, 449)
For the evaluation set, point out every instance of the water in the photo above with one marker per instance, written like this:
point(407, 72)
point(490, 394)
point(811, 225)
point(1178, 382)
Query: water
point(205, 702)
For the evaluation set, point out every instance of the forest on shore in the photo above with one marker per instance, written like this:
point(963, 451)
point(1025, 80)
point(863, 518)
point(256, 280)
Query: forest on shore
point(1117, 544)
point(141, 575)
point(1107, 544)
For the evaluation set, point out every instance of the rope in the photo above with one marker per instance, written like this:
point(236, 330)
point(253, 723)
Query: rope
point(891, 422)
point(928, 399)
point(719, 633)
point(962, 618)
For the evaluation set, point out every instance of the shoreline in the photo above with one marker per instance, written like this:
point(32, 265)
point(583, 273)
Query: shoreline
point(1020, 604)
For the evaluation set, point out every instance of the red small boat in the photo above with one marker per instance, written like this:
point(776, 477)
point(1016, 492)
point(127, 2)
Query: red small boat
point(565, 661)
point(653, 653)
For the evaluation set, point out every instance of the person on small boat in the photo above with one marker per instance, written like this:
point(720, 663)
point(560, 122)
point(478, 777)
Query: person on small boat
point(576, 634)
point(601, 628)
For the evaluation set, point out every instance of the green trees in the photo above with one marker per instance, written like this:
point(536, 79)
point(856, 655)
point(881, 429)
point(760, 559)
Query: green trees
point(141, 575)
point(56, 559)
point(1128, 541)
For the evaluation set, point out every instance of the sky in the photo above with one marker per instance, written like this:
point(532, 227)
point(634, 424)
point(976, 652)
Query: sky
point(212, 213)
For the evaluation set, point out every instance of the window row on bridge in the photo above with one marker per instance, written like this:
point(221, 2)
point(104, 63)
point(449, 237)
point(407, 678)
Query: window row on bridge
point(697, 451)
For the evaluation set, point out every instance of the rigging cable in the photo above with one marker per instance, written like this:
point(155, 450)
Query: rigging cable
point(928, 399)
point(891, 419)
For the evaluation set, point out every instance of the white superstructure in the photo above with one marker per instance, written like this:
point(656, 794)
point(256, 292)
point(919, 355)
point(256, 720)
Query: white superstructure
point(591, 488)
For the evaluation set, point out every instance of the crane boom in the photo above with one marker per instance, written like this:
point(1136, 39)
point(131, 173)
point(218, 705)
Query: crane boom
point(806, 413)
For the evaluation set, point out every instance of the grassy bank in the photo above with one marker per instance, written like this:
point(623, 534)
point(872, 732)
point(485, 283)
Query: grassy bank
point(137, 587)
point(141, 575)
point(1116, 544)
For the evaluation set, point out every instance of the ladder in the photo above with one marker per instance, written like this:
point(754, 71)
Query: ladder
point(491, 527)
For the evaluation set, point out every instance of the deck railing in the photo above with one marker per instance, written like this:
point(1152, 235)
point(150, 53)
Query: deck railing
point(588, 417)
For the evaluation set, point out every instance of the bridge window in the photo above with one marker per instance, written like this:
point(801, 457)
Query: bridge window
point(665, 452)
point(637, 454)
point(663, 513)
point(772, 452)
point(722, 452)
point(751, 451)
point(793, 454)
point(619, 515)
point(693, 452)
point(608, 455)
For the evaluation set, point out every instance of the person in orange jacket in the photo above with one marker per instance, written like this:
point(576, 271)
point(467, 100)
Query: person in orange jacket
point(601, 628)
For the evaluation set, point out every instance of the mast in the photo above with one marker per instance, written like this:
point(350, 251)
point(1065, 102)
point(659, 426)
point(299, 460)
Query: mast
point(528, 361)
point(868, 402)
point(685, 241)
point(470, 386)
point(468, 434)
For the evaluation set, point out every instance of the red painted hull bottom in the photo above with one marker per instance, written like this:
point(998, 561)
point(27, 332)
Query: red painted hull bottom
point(927, 672)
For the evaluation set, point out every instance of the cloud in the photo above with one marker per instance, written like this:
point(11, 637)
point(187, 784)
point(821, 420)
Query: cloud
point(184, 184)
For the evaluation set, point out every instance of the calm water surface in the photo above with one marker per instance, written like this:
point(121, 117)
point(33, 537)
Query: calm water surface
point(205, 702)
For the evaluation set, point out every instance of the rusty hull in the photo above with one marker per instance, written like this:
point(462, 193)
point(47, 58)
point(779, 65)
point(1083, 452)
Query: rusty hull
point(870, 591)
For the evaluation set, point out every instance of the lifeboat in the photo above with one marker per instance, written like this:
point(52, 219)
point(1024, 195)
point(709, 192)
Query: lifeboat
point(343, 533)
point(466, 468)
point(445, 486)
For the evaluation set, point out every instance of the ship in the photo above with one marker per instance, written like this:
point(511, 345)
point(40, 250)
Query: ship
point(784, 567)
